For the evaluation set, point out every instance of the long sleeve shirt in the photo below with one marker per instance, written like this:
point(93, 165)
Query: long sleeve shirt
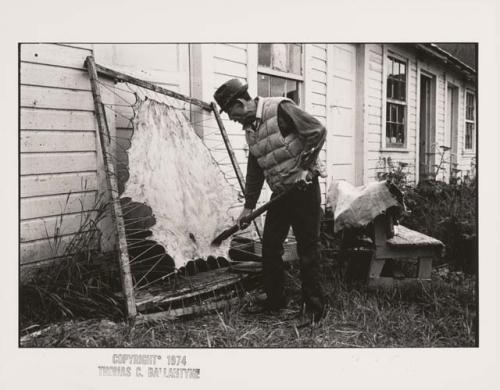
point(291, 119)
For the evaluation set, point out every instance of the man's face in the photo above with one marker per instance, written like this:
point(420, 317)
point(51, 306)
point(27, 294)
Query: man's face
point(239, 112)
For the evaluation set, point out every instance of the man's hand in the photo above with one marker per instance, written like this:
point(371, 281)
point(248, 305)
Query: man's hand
point(304, 180)
point(245, 213)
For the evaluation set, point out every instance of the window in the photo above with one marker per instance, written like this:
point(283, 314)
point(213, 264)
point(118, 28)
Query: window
point(470, 120)
point(396, 103)
point(280, 70)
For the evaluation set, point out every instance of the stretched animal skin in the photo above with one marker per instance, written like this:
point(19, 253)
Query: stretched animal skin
point(172, 173)
point(355, 207)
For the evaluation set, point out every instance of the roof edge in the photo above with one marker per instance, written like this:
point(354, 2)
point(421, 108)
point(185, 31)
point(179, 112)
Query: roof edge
point(446, 57)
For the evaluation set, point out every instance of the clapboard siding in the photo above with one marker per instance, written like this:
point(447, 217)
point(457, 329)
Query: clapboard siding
point(50, 205)
point(57, 141)
point(43, 163)
point(50, 76)
point(58, 157)
point(56, 98)
point(59, 225)
point(35, 119)
point(38, 185)
point(47, 249)
point(53, 54)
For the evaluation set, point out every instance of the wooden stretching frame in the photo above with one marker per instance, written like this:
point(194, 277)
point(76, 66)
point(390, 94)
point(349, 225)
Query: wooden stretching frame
point(96, 70)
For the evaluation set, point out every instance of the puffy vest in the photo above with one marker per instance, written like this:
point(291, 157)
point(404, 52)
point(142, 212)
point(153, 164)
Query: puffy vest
point(278, 156)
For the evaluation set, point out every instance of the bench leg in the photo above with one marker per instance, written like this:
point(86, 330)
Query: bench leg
point(376, 266)
point(425, 268)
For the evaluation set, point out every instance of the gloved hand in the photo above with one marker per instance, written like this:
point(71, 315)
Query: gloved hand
point(303, 180)
point(245, 213)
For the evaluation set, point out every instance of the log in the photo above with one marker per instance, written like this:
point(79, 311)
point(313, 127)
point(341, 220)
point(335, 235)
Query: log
point(111, 182)
point(124, 78)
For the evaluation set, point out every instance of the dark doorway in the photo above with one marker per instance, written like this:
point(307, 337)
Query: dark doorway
point(427, 148)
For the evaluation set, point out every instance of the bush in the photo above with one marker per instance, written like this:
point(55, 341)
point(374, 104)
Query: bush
point(447, 212)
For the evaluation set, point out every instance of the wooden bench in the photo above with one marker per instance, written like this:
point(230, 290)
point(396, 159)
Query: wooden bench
point(400, 243)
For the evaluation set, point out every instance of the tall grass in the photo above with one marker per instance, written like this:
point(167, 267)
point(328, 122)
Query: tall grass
point(442, 314)
point(79, 282)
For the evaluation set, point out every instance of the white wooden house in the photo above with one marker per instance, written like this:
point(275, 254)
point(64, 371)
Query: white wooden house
point(381, 103)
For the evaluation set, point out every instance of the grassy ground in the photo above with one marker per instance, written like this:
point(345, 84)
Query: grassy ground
point(442, 314)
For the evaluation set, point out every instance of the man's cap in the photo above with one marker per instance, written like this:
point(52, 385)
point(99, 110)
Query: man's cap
point(228, 92)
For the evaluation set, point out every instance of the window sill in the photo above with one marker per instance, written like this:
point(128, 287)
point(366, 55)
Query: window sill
point(389, 149)
point(468, 152)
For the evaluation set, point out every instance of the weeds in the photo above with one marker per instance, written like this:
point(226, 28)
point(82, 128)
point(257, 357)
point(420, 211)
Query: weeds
point(446, 211)
point(80, 283)
point(440, 315)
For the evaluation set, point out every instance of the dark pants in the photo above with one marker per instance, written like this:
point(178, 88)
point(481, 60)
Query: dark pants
point(301, 210)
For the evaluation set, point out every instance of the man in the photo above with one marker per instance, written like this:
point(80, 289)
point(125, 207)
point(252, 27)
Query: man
point(284, 142)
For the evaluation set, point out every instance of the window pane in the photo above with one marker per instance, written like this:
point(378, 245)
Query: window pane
point(402, 70)
point(278, 86)
point(294, 58)
point(279, 56)
point(401, 115)
point(388, 133)
point(402, 91)
point(292, 90)
point(394, 112)
point(400, 136)
point(468, 135)
point(395, 124)
point(389, 67)
point(469, 112)
point(265, 54)
point(263, 87)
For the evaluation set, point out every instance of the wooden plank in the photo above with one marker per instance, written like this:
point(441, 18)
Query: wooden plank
point(317, 98)
point(44, 228)
point(53, 54)
point(318, 110)
point(112, 188)
point(220, 79)
point(45, 206)
point(33, 119)
point(425, 268)
point(230, 68)
point(147, 301)
point(57, 141)
point(118, 76)
point(408, 238)
point(236, 54)
point(57, 184)
point(50, 76)
point(176, 313)
point(376, 266)
point(47, 249)
point(318, 52)
point(43, 163)
point(317, 75)
point(387, 252)
point(318, 64)
point(55, 98)
point(318, 87)
point(86, 46)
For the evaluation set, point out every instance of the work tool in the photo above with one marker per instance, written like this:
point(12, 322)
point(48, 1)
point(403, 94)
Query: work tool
point(246, 220)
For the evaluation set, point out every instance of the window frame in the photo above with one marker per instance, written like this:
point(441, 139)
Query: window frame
point(268, 71)
point(473, 121)
point(385, 100)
